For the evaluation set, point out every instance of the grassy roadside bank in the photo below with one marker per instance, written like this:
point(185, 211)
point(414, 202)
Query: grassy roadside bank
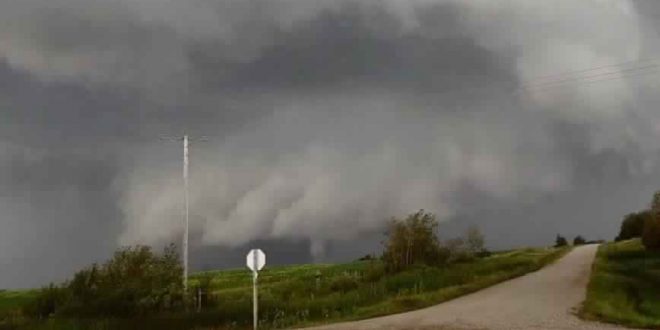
point(625, 286)
point(291, 296)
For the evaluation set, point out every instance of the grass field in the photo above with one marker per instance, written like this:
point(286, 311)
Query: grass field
point(11, 303)
point(292, 296)
point(625, 286)
point(10, 300)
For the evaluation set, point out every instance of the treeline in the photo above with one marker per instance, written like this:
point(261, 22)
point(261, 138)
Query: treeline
point(644, 224)
point(561, 241)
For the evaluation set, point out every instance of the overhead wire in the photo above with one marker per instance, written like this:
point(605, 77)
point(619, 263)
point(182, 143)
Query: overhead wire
point(585, 76)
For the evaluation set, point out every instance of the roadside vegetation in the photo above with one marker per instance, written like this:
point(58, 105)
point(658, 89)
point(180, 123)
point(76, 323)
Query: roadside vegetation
point(625, 285)
point(415, 270)
point(625, 282)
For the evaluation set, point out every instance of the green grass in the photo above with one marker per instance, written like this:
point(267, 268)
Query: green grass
point(625, 286)
point(10, 300)
point(11, 303)
point(290, 296)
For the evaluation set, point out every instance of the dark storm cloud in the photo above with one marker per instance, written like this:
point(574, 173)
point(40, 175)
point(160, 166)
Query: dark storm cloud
point(354, 48)
point(59, 211)
point(64, 114)
point(324, 118)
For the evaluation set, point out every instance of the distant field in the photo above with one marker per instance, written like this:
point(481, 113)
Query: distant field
point(291, 296)
point(625, 286)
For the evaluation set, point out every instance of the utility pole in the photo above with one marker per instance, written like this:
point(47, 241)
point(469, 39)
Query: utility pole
point(185, 230)
point(186, 165)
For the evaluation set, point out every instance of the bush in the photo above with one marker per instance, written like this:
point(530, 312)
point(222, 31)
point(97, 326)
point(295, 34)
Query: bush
point(374, 272)
point(632, 225)
point(46, 302)
point(560, 241)
point(134, 282)
point(412, 241)
point(344, 283)
point(579, 240)
point(651, 233)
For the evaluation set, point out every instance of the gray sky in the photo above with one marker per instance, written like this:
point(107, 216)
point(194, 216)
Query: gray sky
point(324, 118)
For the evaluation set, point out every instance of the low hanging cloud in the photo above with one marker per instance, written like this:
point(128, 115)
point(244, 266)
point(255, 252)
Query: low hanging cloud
point(362, 161)
point(349, 160)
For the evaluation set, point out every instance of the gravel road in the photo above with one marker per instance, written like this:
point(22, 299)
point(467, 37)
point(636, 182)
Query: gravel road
point(546, 299)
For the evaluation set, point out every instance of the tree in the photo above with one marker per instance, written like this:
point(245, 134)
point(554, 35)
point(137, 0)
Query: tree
point(458, 250)
point(633, 225)
point(474, 240)
point(655, 203)
point(579, 240)
point(651, 233)
point(411, 241)
point(560, 241)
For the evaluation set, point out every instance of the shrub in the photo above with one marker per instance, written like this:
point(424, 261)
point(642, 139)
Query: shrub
point(46, 302)
point(579, 240)
point(374, 272)
point(344, 283)
point(632, 225)
point(135, 281)
point(651, 233)
point(560, 241)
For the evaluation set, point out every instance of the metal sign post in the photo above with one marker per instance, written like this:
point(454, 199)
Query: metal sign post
point(255, 299)
point(256, 260)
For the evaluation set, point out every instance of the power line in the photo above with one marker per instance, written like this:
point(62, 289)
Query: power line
point(654, 70)
point(533, 86)
point(515, 87)
point(553, 76)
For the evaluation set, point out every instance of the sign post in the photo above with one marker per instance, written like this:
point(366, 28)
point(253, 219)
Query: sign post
point(256, 260)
